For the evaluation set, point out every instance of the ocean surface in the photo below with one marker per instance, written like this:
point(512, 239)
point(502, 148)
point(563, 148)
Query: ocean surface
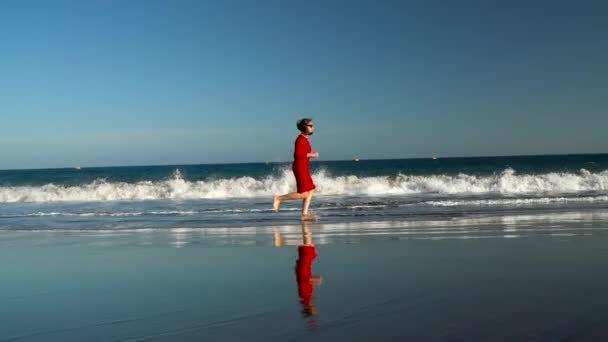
point(415, 197)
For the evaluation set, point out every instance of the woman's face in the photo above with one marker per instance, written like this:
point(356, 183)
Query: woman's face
point(310, 128)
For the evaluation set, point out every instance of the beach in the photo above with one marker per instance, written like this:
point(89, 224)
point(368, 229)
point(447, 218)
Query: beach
point(500, 249)
point(303, 171)
point(160, 286)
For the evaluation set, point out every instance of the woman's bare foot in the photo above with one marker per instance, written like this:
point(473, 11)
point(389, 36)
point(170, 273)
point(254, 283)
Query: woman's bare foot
point(276, 203)
point(308, 217)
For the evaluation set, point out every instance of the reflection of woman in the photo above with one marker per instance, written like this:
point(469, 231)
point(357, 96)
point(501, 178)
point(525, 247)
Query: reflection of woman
point(301, 161)
point(304, 277)
point(306, 280)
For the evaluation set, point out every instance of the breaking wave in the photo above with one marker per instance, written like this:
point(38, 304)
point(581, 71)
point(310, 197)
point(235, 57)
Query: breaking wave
point(176, 187)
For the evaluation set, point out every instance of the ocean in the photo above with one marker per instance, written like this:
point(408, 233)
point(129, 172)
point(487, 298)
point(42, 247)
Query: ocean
point(414, 197)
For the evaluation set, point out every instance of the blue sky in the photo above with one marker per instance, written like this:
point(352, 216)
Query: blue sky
point(97, 83)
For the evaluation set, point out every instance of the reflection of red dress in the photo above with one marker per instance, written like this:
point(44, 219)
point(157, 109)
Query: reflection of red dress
point(301, 163)
point(304, 272)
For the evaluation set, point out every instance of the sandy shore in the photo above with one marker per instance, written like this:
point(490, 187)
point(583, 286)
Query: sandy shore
point(140, 287)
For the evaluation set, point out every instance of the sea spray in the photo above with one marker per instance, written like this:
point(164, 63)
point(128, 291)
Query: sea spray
point(507, 182)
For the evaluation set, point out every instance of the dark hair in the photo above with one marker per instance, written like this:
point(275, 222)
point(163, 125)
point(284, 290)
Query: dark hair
point(302, 123)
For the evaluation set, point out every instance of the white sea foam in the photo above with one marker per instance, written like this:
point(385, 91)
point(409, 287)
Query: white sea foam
point(144, 213)
point(517, 201)
point(506, 183)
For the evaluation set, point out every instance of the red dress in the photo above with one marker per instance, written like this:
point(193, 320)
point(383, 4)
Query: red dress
point(307, 254)
point(301, 163)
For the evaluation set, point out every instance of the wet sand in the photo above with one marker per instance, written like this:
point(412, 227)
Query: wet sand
point(133, 287)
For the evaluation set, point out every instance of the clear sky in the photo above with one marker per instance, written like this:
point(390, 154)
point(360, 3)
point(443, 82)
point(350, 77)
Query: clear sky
point(127, 82)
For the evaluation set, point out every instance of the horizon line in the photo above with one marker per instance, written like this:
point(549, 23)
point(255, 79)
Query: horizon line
point(289, 161)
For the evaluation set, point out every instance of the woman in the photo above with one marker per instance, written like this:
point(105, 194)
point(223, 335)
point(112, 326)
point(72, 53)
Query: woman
point(301, 162)
point(306, 280)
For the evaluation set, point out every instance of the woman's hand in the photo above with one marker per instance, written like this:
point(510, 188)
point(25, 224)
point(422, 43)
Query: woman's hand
point(313, 155)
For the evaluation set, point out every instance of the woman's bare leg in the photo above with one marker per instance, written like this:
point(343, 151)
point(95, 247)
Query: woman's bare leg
point(306, 204)
point(288, 197)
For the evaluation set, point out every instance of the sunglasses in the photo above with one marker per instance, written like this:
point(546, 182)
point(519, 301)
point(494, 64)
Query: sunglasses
point(309, 125)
